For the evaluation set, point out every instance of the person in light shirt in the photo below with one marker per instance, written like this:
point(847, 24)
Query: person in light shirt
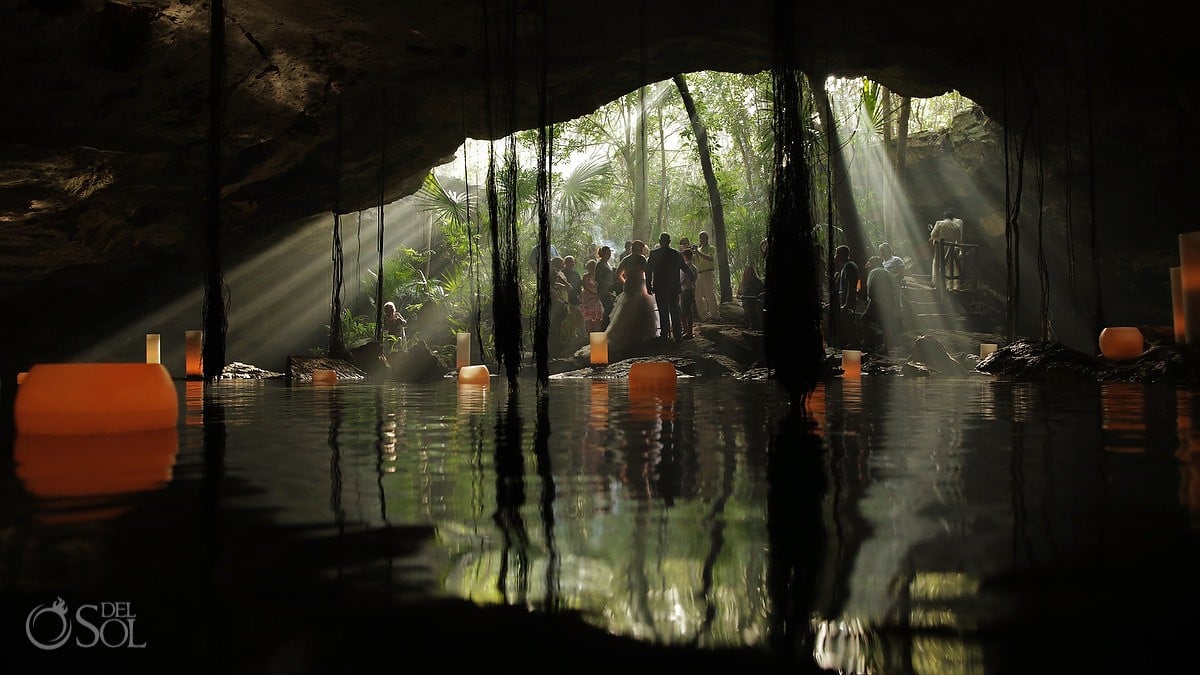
point(705, 258)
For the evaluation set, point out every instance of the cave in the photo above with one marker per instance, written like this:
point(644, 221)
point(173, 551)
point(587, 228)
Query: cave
point(103, 193)
point(105, 169)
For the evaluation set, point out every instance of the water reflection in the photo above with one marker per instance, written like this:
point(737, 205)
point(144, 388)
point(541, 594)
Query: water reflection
point(472, 399)
point(193, 402)
point(1123, 417)
point(509, 465)
point(79, 478)
point(892, 525)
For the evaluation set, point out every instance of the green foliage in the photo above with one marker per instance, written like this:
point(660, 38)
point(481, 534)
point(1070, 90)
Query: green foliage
point(601, 167)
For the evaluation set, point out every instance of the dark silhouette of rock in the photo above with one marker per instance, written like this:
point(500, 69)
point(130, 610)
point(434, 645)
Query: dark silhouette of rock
point(300, 368)
point(416, 364)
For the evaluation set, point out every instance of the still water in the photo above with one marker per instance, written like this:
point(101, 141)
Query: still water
point(894, 525)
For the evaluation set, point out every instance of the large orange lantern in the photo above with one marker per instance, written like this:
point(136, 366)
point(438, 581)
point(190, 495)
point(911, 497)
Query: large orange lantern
point(324, 376)
point(652, 375)
point(96, 398)
point(474, 375)
point(1121, 343)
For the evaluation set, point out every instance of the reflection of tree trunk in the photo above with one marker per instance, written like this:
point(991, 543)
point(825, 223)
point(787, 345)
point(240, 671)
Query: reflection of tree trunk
point(716, 528)
point(510, 497)
point(846, 211)
point(541, 450)
point(796, 536)
point(639, 585)
point(714, 193)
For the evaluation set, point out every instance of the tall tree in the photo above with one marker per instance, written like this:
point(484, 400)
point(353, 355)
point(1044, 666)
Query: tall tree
point(902, 154)
point(847, 212)
point(714, 193)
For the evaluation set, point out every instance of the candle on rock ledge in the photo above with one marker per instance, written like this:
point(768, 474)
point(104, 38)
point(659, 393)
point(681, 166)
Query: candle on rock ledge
point(474, 375)
point(1121, 343)
point(153, 350)
point(599, 348)
point(851, 363)
point(193, 341)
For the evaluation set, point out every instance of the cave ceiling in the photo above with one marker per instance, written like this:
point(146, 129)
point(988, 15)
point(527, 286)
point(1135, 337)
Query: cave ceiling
point(106, 110)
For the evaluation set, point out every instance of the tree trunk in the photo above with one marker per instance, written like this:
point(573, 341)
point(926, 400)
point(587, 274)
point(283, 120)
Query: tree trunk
point(902, 156)
point(714, 194)
point(846, 211)
point(641, 220)
point(662, 152)
point(889, 206)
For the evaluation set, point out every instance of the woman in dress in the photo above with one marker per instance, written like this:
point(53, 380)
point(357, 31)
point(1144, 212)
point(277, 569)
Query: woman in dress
point(593, 310)
point(634, 318)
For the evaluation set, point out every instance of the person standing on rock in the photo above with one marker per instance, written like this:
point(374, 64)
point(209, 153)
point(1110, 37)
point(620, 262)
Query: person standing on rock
point(706, 287)
point(950, 230)
point(604, 282)
point(663, 270)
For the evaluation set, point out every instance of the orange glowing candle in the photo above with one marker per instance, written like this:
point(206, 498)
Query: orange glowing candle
point(851, 363)
point(1177, 313)
point(193, 341)
point(1121, 343)
point(599, 348)
point(324, 376)
point(96, 398)
point(1189, 284)
point(474, 375)
point(153, 350)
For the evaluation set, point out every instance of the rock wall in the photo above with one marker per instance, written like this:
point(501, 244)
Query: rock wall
point(102, 164)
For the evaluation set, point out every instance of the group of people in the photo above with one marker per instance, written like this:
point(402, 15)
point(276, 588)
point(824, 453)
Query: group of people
point(661, 292)
point(880, 323)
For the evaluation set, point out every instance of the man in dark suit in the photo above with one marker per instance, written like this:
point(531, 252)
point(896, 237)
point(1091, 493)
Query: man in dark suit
point(662, 281)
point(604, 281)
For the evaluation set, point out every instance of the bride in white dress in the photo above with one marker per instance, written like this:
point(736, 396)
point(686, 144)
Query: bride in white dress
point(634, 317)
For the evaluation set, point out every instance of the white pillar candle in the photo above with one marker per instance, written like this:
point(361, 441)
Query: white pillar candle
point(153, 352)
point(1177, 314)
point(464, 349)
point(599, 348)
point(1189, 259)
point(193, 341)
point(986, 349)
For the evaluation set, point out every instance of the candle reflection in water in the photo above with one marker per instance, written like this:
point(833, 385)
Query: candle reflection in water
point(193, 399)
point(79, 478)
point(1188, 452)
point(472, 398)
point(1123, 417)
